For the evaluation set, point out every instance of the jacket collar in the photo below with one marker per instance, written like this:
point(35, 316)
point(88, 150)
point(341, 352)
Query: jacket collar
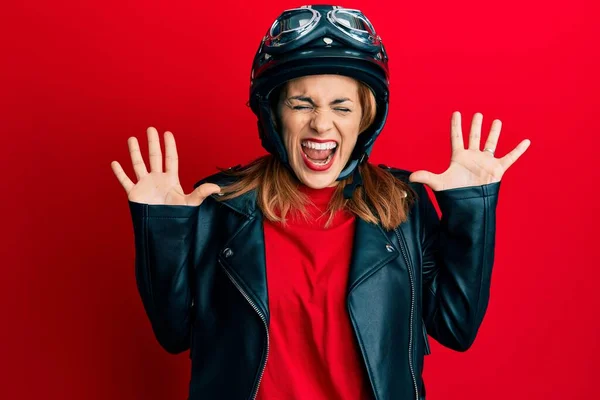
point(244, 204)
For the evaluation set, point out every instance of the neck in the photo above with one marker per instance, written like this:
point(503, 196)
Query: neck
point(319, 197)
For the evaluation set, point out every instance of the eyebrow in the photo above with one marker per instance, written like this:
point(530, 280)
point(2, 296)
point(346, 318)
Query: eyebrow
point(311, 101)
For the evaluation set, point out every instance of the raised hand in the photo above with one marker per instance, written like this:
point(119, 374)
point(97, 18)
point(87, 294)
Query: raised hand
point(156, 186)
point(471, 166)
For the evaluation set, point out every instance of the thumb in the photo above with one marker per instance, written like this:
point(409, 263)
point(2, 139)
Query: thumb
point(202, 192)
point(422, 176)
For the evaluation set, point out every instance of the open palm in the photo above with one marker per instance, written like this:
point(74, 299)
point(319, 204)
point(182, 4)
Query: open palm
point(158, 186)
point(471, 166)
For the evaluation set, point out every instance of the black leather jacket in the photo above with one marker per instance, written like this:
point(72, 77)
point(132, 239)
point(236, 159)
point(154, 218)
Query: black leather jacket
point(201, 275)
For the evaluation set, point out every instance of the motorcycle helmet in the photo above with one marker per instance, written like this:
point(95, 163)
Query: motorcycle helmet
point(314, 40)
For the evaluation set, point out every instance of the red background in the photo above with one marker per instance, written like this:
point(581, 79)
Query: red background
point(79, 78)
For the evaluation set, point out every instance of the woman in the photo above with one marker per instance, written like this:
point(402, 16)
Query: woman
point(310, 273)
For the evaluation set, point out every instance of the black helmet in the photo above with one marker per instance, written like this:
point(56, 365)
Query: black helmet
point(314, 40)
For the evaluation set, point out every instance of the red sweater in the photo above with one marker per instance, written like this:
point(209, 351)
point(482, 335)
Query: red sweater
point(313, 353)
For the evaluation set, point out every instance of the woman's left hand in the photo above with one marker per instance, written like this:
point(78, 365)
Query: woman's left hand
point(471, 167)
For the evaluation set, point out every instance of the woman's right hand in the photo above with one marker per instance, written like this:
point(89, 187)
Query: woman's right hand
point(156, 186)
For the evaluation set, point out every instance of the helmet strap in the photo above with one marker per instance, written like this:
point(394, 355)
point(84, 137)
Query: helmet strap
point(356, 180)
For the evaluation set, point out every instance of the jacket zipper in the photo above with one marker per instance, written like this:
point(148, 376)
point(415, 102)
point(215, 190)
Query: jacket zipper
point(262, 318)
point(412, 305)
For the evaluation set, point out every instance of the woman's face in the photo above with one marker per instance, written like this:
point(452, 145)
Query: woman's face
point(320, 117)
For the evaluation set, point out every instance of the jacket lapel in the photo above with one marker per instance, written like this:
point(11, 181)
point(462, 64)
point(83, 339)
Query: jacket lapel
point(243, 255)
point(372, 249)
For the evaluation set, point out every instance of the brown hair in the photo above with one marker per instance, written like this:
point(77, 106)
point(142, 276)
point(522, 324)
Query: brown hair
point(381, 199)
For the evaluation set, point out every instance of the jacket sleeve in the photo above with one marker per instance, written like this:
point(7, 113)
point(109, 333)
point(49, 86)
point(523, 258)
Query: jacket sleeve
point(163, 241)
point(458, 255)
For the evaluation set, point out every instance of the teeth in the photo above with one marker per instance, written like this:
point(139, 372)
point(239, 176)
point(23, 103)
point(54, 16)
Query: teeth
point(324, 162)
point(319, 146)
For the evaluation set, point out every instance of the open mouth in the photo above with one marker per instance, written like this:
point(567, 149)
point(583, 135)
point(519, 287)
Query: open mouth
point(318, 154)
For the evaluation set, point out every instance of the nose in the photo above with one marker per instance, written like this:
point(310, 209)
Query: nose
point(321, 122)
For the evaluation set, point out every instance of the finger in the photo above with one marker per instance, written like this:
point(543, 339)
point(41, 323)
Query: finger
point(475, 134)
point(492, 140)
point(154, 150)
point(428, 178)
point(136, 158)
point(205, 190)
point(456, 137)
point(514, 155)
point(171, 157)
point(122, 176)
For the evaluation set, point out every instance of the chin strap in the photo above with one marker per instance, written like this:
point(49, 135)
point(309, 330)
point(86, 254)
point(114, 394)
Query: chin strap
point(356, 180)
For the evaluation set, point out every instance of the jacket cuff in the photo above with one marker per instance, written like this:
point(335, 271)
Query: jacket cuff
point(468, 192)
point(140, 210)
